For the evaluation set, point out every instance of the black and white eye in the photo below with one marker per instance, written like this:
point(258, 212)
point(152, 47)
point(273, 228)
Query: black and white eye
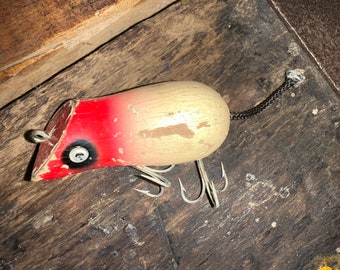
point(79, 154)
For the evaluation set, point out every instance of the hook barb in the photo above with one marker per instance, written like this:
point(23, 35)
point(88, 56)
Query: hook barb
point(148, 193)
point(207, 185)
point(153, 175)
point(185, 198)
point(225, 177)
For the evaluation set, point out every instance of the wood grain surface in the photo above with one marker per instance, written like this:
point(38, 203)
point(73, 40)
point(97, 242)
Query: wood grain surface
point(281, 209)
point(316, 25)
point(40, 38)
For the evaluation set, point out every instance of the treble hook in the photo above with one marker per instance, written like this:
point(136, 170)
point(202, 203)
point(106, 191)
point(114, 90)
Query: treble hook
point(154, 176)
point(207, 186)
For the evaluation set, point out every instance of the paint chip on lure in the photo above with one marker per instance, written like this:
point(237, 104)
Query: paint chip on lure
point(156, 125)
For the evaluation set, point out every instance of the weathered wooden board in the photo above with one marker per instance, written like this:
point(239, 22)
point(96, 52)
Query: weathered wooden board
point(40, 38)
point(316, 25)
point(281, 209)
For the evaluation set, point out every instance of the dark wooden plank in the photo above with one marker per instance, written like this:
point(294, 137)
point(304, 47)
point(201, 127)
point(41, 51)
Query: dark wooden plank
point(40, 38)
point(316, 24)
point(282, 204)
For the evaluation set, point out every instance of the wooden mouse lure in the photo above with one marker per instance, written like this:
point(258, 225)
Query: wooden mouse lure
point(157, 125)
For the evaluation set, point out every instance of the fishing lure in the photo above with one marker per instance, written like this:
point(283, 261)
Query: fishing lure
point(156, 125)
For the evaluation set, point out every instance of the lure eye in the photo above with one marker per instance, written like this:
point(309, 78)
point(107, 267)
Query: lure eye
point(79, 154)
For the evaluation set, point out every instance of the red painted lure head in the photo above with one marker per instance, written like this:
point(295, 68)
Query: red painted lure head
point(85, 135)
